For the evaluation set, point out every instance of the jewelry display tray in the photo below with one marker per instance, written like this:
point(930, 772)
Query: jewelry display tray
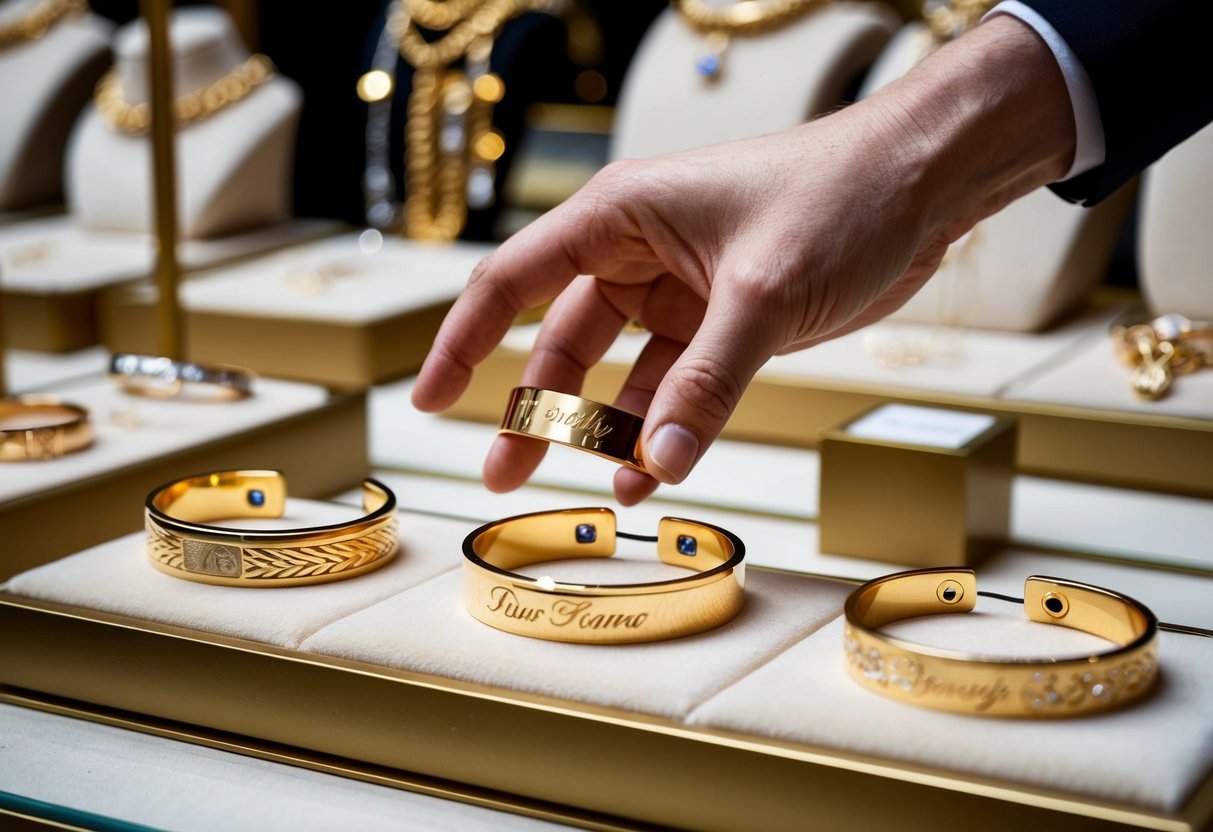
point(337, 312)
point(1077, 416)
point(754, 725)
point(54, 303)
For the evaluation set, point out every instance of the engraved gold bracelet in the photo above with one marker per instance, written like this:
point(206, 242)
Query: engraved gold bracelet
point(969, 684)
point(181, 543)
point(158, 377)
point(600, 614)
point(579, 423)
point(38, 428)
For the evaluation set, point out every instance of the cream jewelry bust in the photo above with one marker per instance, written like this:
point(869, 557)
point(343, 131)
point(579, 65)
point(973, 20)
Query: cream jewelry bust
point(233, 167)
point(1174, 243)
point(1021, 268)
point(768, 81)
point(45, 81)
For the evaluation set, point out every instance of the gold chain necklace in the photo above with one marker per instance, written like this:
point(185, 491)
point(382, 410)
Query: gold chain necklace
point(450, 143)
point(950, 19)
point(38, 21)
point(197, 105)
point(746, 17)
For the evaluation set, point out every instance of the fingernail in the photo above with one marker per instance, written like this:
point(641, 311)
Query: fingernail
point(671, 452)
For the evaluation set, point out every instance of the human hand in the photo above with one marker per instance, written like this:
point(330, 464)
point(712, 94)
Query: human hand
point(734, 253)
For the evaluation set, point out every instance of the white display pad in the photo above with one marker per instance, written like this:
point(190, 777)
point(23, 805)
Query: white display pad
point(1019, 269)
point(768, 82)
point(29, 370)
point(1173, 238)
point(132, 429)
point(349, 279)
point(105, 771)
point(1149, 755)
point(932, 427)
point(56, 256)
point(1090, 375)
point(117, 577)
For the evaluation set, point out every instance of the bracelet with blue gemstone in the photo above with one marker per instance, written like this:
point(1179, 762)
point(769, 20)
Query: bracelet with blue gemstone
point(184, 541)
point(585, 613)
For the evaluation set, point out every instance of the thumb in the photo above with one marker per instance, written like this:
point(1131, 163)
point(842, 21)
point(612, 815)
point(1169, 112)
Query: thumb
point(702, 388)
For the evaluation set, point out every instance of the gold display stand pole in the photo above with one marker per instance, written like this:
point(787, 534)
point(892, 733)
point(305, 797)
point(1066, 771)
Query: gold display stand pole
point(164, 170)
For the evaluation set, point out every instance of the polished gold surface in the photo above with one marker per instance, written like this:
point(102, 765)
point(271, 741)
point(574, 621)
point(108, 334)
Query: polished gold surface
point(38, 428)
point(38, 21)
point(1161, 349)
point(161, 377)
point(566, 419)
point(600, 613)
point(971, 684)
point(197, 105)
point(182, 543)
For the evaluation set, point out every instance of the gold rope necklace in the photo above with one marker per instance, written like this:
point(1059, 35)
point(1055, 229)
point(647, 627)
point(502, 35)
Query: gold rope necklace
point(746, 17)
point(197, 105)
point(450, 144)
point(38, 21)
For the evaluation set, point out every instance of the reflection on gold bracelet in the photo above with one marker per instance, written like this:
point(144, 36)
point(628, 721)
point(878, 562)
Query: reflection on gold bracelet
point(37, 428)
point(181, 542)
point(159, 378)
point(970, 684)
point(600, 614)
point(579, 423)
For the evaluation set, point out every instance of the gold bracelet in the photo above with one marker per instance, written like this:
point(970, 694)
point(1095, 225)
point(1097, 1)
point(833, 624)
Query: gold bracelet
point(38, 428)
point(566, 419)
point(180, 542)
point(1159, 350)
point(595, 613)
point(198, 105)
point(159, 378)
point(952, 681)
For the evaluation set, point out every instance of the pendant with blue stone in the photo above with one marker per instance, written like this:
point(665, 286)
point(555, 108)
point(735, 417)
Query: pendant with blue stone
point(709, 64)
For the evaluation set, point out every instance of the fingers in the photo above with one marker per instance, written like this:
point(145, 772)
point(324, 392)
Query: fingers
point(658, 355)
point(701, 390)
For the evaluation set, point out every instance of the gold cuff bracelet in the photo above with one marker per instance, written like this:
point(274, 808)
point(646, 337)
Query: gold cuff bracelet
point(161, 378)
point(37, 428)
point(180, 543)
point(952, 681)
point(579, 423)
point(600, 614)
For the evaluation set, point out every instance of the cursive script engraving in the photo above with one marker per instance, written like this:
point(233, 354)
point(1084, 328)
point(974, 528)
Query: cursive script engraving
point(981, 696)
point(562, 612)
point(592, 423)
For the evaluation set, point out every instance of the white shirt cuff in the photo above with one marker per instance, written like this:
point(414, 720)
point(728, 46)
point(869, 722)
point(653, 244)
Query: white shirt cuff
point(1088, 126)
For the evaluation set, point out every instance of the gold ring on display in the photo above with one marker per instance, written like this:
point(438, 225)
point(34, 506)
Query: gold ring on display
point(181, 543)
point(566, 419)
point(970, 684)
point(38, 428)
point(160, 378)
point(600, 613)
point(1159, 349)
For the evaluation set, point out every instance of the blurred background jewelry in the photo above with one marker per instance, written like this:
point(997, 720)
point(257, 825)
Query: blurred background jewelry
point(197, 105)
point(1167, 346)
point(972, 684)
point(37, 21)
point(600, 613)
point(159, 377)
point(38, 428)
point(746, 17)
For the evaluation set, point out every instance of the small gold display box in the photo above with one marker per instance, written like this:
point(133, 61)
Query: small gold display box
point(340, 312)
point(917, 486)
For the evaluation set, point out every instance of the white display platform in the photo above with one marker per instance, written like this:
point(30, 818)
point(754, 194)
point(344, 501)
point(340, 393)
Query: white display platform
point(30, 370)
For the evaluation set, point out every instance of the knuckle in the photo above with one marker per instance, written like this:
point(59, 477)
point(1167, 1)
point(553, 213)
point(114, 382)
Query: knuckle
point(708, 387)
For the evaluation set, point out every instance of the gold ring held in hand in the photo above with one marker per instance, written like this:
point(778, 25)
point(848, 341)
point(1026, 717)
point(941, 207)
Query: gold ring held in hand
point(577, 422)
point(600, 613)
point(181, 541)
point(38, 428)
point(973, 684)
point(158, 377)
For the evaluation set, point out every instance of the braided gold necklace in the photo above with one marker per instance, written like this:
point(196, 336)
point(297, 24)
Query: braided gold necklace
point(38, 21)
point(746, 17)
point(949, 19)
point(450, 144)
point(197, 105)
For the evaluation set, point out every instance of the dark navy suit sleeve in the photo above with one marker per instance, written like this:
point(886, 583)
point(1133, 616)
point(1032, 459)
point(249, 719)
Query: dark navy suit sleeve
point(1151, 67)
